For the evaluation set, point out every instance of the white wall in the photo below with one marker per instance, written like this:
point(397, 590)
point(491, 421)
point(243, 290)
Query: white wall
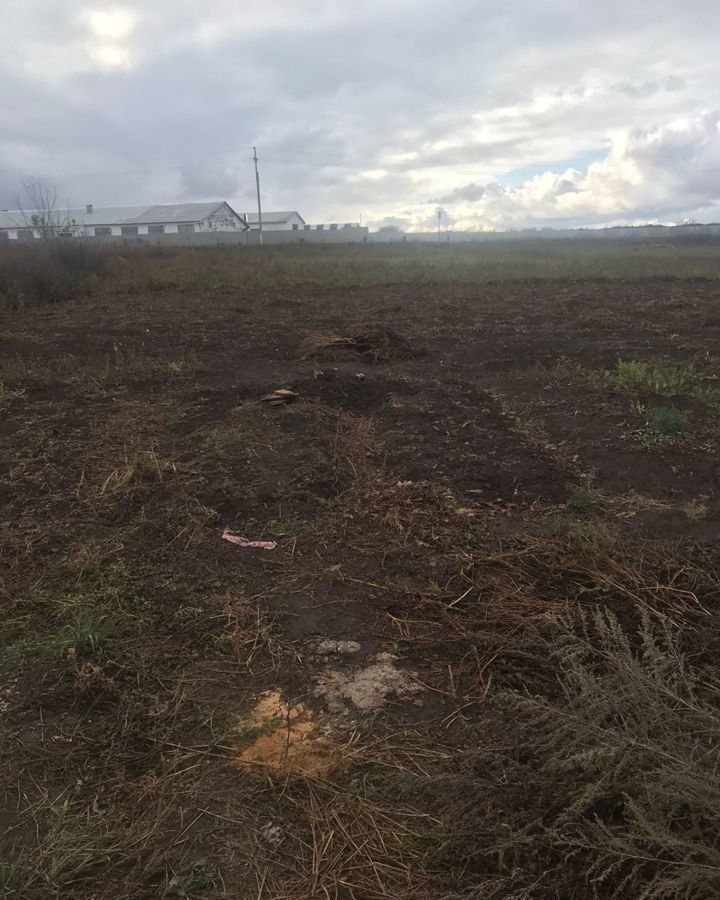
point(223, 219)
point(283, 226)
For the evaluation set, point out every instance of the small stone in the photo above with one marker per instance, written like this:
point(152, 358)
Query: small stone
point(272, 834)
point(342, 648)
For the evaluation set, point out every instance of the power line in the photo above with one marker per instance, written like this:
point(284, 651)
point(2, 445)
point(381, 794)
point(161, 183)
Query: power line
point(333, 160)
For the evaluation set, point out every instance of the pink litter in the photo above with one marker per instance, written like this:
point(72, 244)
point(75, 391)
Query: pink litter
point(244, 542)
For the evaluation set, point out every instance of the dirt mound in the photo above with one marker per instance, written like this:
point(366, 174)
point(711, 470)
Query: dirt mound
point(373, 343)
point(351, 391)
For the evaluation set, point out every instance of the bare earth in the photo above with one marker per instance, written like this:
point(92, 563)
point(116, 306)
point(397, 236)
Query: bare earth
point(336, 717)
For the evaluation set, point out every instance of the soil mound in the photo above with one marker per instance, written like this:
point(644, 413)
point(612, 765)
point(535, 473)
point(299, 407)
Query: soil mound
point(373, 343)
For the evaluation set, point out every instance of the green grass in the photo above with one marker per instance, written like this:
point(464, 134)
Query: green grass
point(92, 615)
point(73, 847)
point(286, 528)
point(356, 265)
point(582, 501)
point(667, 420)
point(667, 379)
point(659, 376)
point(188, 883)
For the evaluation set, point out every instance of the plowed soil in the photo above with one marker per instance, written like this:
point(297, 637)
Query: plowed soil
point(429, 508)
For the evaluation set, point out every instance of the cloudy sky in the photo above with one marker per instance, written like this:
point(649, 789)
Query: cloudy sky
point(503, 113)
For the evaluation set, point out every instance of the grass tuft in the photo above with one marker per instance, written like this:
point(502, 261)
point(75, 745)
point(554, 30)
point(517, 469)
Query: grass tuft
point(666, 420)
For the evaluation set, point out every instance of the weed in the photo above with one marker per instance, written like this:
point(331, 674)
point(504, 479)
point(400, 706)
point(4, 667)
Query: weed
point(661, 377)
point(87, 618)
point(89, 632)
point(285, 528)
point(630, 749)
point(666, 379)
point(667, 420)
point(582, 501)
point(188, 882)
point(72, 848)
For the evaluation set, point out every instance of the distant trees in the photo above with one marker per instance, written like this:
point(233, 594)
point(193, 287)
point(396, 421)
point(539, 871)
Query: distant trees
point(39, 210)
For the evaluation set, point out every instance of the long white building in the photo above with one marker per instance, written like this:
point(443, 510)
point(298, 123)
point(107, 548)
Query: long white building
point(125, 221)
point(276, 221)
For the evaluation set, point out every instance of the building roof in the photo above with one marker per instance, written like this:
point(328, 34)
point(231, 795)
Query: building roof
point(123, 215)
point(272, 218)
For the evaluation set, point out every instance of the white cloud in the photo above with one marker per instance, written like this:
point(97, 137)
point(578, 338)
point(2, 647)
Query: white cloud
point(663, 172)
point(377, 107)
point(115, 23)
point(110, 56)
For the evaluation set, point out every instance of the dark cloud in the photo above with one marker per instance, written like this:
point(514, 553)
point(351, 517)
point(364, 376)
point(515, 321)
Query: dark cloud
point(643, 89)
point(469, 193)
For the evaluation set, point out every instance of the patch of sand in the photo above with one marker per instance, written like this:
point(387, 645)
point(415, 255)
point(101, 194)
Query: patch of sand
point(366, 689)
point(286, 739)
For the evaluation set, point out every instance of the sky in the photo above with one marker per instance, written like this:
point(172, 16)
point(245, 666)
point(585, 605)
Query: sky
point(497, 113)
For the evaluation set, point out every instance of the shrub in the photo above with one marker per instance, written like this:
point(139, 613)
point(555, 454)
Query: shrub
point(631, 747)
point(46, 272)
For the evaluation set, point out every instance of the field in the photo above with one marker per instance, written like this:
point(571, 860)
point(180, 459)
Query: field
point(475, 654)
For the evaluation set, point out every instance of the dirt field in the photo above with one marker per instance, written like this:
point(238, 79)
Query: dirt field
point(476, 657)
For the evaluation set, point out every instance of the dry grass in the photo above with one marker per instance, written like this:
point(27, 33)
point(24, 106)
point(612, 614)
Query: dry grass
point(98, 370)
point(48, 272)
point(139, 467)
point(136, 642)
point(357, 847)
point(372, 343)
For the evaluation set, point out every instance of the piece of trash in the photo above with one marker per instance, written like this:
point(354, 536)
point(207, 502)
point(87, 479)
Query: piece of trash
point(244, 542)
point(280, 396)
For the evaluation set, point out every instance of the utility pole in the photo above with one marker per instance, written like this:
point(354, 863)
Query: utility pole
point(439, 215)
point(257, 185)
